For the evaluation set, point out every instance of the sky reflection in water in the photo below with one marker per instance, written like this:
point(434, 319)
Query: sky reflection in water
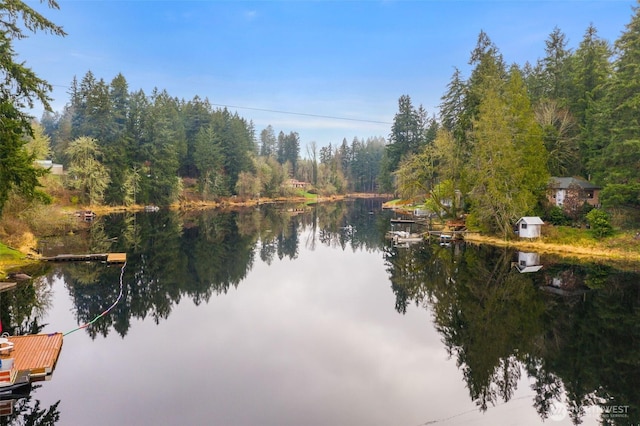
point(313, 340)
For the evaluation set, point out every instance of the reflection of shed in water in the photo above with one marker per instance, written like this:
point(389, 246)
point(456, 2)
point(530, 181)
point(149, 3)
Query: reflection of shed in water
point(528, 262)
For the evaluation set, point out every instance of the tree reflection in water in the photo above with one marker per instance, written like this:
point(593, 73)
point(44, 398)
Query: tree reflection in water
point(578, 343)
point(27, 411)
point(171, 255)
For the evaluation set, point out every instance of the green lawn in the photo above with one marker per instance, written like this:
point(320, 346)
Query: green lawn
point(7, 253)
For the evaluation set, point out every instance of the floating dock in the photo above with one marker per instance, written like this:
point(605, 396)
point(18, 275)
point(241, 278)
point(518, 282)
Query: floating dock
point(36, 353)
point(101, 257)
point(403, 221)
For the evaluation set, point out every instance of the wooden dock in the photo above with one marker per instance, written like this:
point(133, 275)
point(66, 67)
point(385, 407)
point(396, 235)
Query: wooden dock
point(456, 235)
point(403, 221)
point(36, 353)
point(100, 257)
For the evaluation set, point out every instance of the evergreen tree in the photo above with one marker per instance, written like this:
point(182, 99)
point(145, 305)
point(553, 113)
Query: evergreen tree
point(197, 115)
point(118, 148)
point(452, 106)
point(344, 154)
point(489, 70)
point(268, 142)
point(162, 149)
point(621, 157)
point(557, 67)
point(119, 100)
point(534, 78)
point(591, 72)
point(408, 136)
point(234, 139)
point(212, 179)
point(289, 149)
point(21, 89)
point(80, 93)
point(17, 171)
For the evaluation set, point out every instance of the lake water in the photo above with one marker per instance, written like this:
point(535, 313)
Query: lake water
point(310, 316)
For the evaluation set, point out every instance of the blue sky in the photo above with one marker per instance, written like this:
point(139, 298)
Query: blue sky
point(349, 59)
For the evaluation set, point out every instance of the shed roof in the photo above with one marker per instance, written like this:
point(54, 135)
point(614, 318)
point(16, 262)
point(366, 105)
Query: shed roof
point(531, 220)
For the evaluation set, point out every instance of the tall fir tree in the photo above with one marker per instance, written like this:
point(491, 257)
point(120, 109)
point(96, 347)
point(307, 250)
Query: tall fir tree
point(620, 159)
point(590, 73)
point(408, 136)
point(197, 115)
point(557, 67)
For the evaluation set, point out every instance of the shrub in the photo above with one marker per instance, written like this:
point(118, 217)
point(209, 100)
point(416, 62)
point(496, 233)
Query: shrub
point(556, 216)
point(600, 223)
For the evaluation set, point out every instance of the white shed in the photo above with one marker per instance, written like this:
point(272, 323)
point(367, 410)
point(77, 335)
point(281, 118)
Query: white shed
point(529, 227)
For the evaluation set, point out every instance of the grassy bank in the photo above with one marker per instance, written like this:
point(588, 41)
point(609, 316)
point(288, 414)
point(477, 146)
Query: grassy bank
point(570, 242)
point(11, 258)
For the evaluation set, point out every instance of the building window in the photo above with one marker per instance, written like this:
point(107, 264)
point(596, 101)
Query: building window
point(523, 226)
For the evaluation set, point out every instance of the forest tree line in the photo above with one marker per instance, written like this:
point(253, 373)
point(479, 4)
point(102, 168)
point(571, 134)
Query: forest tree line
point(122, 147)
point(500, 133)
point(503, 131)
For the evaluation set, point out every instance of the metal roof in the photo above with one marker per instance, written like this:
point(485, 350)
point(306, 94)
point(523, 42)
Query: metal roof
point(531, 220)
point(566, 182)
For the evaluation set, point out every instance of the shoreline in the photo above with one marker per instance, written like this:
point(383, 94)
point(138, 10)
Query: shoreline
point(594, 252)
point(233, 202)
point(27, 258)
point(563, 250)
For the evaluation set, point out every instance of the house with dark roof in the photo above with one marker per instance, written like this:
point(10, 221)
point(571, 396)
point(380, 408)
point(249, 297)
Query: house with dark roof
point(563, 189)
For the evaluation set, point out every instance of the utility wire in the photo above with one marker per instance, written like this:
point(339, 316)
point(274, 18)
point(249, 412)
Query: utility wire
point(276, 111)
point(333, 117)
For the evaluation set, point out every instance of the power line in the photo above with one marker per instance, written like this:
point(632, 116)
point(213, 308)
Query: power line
point(304, 114)
point(333, 117)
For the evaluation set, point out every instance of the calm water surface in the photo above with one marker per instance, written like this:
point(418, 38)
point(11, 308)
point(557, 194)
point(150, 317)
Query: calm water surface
point(309, 316)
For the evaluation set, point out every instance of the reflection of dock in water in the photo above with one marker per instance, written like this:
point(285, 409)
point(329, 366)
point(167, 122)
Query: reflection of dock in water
point(101, 257)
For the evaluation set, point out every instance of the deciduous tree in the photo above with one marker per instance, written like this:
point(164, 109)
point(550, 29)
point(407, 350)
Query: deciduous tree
point(508, 168)
point(86, 171)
